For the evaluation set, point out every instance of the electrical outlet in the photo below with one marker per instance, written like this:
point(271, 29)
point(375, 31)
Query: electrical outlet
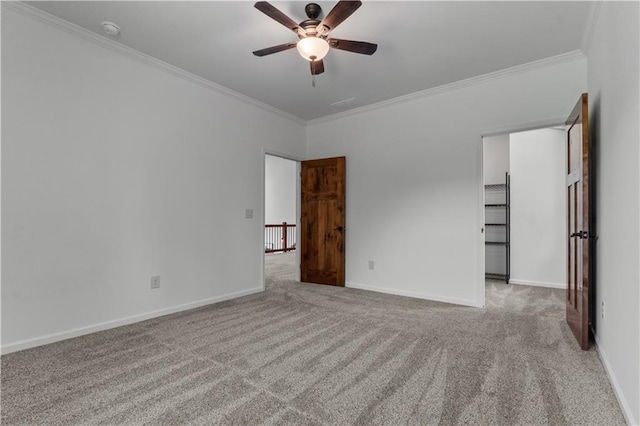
point(155, 281)
point(372, 265)
point(602, 310)
point(248, 213)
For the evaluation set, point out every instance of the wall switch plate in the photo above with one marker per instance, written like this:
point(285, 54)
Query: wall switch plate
point(248, 213)
point(155, 281)
point(372, 265)
point(602, 310)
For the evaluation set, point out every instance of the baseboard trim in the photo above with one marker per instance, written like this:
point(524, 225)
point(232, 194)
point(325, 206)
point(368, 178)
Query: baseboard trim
point(561, 286)
point(626, 409)
point(417, 295)
point(69, 334)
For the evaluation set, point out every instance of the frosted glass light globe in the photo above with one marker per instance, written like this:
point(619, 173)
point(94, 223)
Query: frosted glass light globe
point(313, 48)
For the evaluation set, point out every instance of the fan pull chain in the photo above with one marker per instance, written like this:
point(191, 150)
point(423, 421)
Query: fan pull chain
point(313, 70)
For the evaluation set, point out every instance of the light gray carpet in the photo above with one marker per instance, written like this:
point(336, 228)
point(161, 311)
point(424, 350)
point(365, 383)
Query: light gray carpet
point(310, 354)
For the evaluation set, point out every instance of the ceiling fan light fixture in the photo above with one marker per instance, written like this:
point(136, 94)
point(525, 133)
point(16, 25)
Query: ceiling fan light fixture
point(313, 48)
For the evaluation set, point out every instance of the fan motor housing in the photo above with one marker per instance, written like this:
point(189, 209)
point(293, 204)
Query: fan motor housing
point(310, 26)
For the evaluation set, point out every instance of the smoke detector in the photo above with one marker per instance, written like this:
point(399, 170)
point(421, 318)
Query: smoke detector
point(110, 28)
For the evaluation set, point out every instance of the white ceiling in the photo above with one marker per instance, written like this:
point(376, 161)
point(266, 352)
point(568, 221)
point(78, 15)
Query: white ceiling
point(421, 45)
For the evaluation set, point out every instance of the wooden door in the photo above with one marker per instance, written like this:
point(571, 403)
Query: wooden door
point(323, 221)
point(578, 221)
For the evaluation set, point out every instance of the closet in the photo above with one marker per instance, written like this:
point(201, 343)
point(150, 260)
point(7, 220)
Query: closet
point(497, 230)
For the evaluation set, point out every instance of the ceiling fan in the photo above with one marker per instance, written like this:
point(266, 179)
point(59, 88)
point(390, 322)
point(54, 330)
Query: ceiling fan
point(314, 43)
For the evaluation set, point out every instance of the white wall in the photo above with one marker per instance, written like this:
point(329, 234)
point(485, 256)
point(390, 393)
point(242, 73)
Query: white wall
point(495, 158)
point(538, 208)
point(113, 171)
point(614, 114)
point(280, 190)
point(414, 178)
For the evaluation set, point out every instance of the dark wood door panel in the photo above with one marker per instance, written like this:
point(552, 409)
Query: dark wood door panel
point(323, 221)
point(579, 222)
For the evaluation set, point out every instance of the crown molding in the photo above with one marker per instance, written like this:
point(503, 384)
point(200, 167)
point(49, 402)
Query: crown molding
point(134, 54)
point(518, 69)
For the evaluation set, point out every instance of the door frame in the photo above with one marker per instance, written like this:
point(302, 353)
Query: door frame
point(536, 125)
point(297, 160)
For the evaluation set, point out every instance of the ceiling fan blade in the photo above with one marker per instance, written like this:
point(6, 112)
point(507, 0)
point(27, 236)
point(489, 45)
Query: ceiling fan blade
point(275, 14)
point(338, 14)
point(275, 49)
point(353, 46)
point(317, 67)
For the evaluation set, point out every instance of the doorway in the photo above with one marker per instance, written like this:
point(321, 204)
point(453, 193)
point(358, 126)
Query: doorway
point(281, 213)
point(525, 206)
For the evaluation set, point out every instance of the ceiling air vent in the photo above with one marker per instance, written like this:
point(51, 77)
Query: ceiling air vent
point(347, 104)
